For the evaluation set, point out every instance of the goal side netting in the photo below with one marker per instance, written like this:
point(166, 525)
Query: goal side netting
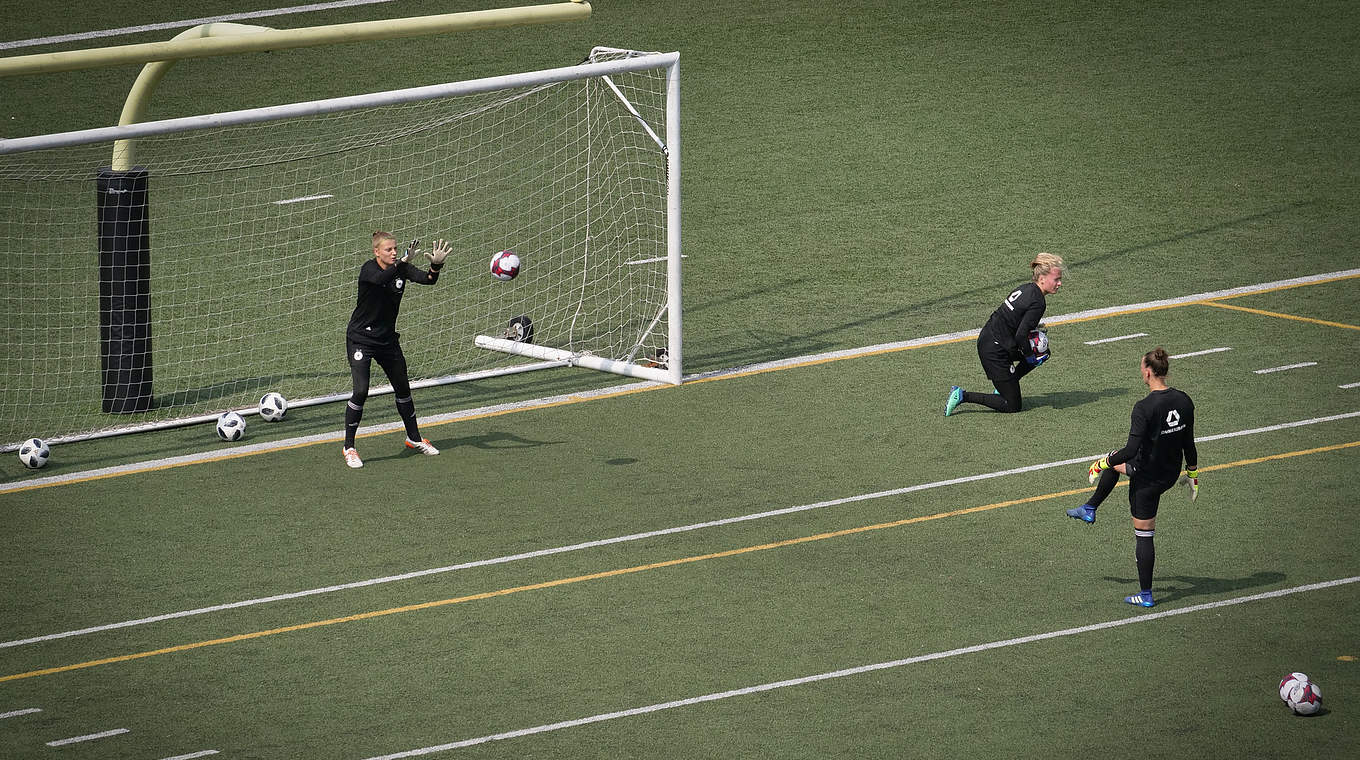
point(223, 264)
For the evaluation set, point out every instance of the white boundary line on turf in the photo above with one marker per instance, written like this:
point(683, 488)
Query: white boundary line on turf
point(716, 696)
point(157, 464)
point(79, 36)
point(87, 737)
point(17, 713)
point(1201, 353)
point(1117, 337)
point(1269, 370)
point(633, 537)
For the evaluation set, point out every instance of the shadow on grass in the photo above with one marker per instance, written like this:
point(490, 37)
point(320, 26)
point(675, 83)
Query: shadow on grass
point(1185, 586)
point(1071, 398)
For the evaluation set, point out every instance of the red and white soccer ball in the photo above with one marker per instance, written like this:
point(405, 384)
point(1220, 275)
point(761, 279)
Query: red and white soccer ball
point(1038, 340)
point(1301, 694)
point(504, 265)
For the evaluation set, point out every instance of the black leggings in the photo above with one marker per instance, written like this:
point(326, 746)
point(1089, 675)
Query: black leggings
point(1005, 376)
point(393, 363)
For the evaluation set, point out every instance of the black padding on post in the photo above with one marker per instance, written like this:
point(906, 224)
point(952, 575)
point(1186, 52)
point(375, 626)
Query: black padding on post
point(124, 290)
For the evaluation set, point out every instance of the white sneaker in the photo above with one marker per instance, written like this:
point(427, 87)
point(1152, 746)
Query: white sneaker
point(424, 447)
point(352, 459)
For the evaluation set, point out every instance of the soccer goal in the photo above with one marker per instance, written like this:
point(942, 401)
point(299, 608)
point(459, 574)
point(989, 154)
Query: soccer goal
point(223, 265)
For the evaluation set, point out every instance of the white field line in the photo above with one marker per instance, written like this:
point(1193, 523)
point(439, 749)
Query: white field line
point(17, 713)
point(185, 24)
point(715, 696)
point(634, 537)
point(1349, 385)
point(193, 755)
point(389, 427)
point(1285, 367)
point(303, 199)
point(87, 737)
point(1201, 353)
point(1118, 337)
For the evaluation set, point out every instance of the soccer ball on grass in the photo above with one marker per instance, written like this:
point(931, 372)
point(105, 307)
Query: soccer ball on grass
point(1301, 694)
point(273, 406)
point(231, 426)
point(504, 265)
point(34, 453)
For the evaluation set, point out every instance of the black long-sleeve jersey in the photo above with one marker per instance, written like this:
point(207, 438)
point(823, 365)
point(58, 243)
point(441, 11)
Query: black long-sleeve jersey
point(374, 321)
point(1013, 320)
point(1161, 431)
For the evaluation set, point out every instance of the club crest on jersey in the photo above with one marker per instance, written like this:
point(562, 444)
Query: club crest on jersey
point(399, 283)
point(1173, 421)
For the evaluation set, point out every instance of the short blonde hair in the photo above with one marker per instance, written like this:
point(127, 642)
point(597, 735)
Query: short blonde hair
point(380, 236)
point(1046, 262)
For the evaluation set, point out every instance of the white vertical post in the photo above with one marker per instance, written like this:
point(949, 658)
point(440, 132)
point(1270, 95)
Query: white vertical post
point(675, 353)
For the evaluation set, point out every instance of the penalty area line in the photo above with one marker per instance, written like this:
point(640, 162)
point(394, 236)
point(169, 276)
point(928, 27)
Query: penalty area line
point(862, 669)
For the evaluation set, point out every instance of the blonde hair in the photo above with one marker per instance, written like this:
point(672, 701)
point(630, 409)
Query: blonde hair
point(380, 236)
point(1046, 262)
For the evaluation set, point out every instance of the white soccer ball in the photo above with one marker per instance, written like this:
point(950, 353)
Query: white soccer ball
point(231, 426)
point(504, 265)
point(273, 406)
point(1302, 695)
point(34, 453)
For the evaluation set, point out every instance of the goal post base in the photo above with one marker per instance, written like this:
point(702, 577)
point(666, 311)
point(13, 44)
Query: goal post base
point(573, 359)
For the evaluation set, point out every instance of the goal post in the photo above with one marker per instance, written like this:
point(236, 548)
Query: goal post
point(256, 222)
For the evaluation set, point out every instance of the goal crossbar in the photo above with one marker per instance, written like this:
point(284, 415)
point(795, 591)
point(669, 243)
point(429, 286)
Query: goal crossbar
point(336, 105)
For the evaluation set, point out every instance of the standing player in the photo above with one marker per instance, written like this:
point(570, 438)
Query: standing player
point(372, 336)
point(1003, 343)
point(1161, 433)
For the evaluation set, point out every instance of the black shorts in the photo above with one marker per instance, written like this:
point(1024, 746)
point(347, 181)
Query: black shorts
point(1145, 496)
point(996, 360)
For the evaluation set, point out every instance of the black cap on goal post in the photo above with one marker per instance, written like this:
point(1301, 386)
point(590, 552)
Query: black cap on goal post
point(124, 290)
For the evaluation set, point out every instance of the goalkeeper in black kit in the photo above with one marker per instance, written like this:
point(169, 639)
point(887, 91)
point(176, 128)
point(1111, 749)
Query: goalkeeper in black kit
point(372, 336)
point(1161, 433)
point(1004, 345)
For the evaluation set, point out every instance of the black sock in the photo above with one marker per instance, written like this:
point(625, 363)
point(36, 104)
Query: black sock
point(990, 400)
point(1104, 486)
point(1144, 554)
point(353, 413)
point(407, 409)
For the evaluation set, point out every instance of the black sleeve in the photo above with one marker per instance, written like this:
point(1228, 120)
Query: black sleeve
point(377, 275)
point(1191, 453)
point(417, 275)
point(1137, 424)
point(1028, 322)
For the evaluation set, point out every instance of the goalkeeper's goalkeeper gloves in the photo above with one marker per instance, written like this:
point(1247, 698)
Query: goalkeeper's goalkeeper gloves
point(1192, 479)
point(411, 251)
point(1035, 360)
point(437, 256)
point(1097, 467)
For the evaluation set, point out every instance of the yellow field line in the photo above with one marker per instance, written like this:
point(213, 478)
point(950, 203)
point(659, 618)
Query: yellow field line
point(627, 570)
point(1277, 314)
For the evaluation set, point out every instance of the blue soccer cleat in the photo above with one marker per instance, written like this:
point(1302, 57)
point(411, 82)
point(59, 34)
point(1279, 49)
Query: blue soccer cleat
point(1086, 513)
point(1141, 599)
point(955, 398)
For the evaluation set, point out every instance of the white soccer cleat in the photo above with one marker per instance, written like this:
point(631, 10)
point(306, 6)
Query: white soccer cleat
point(423, 446)
point(352, 459)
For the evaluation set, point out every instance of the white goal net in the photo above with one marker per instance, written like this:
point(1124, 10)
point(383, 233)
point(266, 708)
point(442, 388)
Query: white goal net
point(223, 265)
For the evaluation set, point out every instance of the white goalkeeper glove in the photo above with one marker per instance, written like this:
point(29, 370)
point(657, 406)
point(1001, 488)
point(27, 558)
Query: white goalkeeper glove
point(411, 251)
point(437, 256)
point(1191, 478)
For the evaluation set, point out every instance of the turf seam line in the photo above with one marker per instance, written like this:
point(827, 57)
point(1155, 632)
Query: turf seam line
point(862, 669)
point(506, 559)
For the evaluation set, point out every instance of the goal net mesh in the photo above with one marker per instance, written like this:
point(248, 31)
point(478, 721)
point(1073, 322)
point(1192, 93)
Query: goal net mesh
point(257, 232)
